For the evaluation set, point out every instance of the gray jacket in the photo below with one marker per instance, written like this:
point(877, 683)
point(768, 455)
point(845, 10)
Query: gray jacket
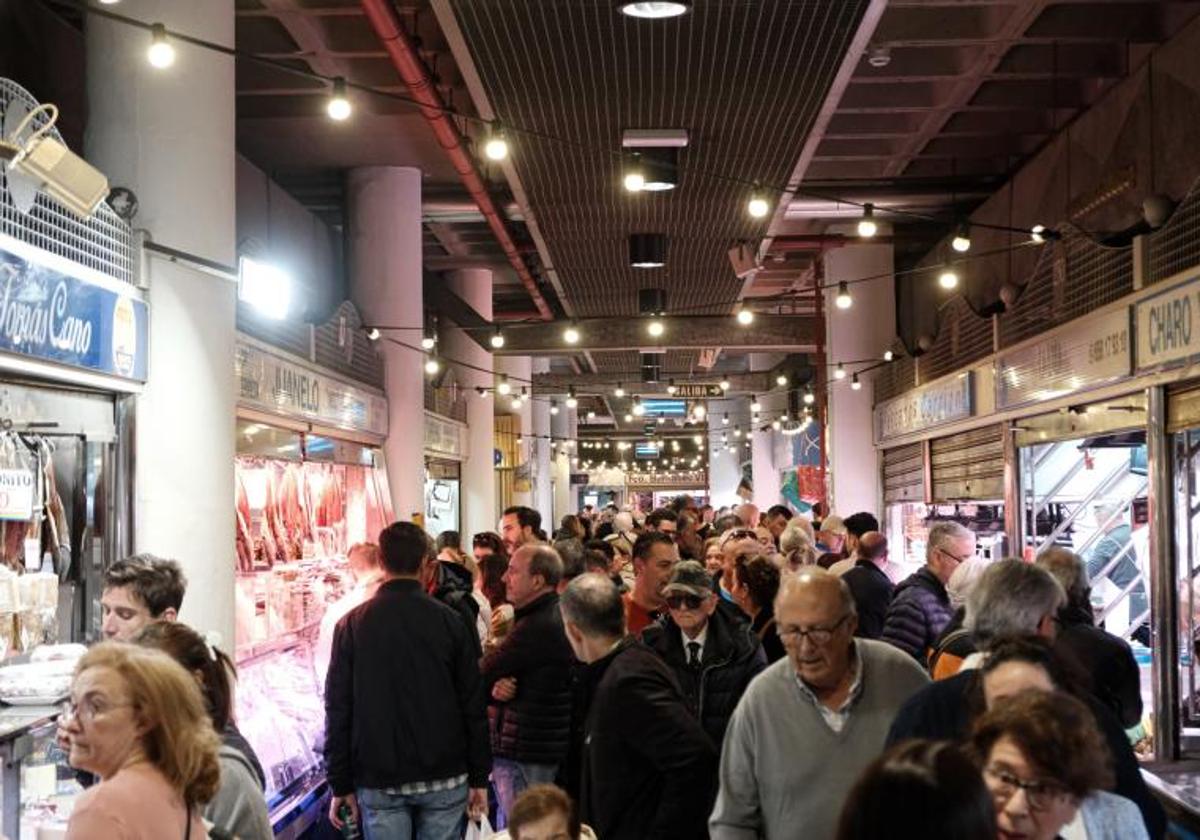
point(239, 807)
point(1107, 816)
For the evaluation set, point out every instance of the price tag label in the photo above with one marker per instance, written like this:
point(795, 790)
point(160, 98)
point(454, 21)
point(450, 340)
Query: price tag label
point(16, 494)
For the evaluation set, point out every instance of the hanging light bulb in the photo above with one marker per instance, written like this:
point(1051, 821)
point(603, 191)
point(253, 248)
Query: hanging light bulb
point(660, 420)
point(745, 317)
point(655, 327)
point(840, 371)
point(628, 418)
point(888, 355)
point(428, 342)
point(496, 147)
point(962, 239)
point(843, 299)
point(638, 408)
point(571, 334)
point(1037, 233)
point(725, 386)
point(482, 392)
point(591, 415)
point(737, 433)
point(338, 107)
point(775, 424)
point(161, 54)
point(619, 391)
point(757, 206)
point(948, 279)
point(724, 419)
point(517, 401)
point(572, 402)
point(374, 334)
point(497, 340)
point(671, 389)
point(553, 407)
point(502, 387)
point(866, 225)
point(432, 366)
point(781, 380)
point(855, 385)
point(635, 175)
point(809, 396)
point(696, 439)
point(700, 411)
point(755, 405)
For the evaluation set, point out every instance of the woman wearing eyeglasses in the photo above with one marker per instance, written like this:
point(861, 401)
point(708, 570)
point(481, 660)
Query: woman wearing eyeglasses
point(1042, 756)
point(137, 720)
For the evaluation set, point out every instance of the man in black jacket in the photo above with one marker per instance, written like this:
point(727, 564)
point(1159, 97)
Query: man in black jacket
point(920, 607)
point(713, 657)
point(869, 584)
point(648, 767)
point(406, 727)
point(528, 677)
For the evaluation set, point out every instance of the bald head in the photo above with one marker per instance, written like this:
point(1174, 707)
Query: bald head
point(814, 587)
point(874, 547)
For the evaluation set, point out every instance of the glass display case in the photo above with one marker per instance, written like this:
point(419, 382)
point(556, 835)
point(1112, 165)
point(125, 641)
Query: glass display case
point(37, 788)
point(302, 500)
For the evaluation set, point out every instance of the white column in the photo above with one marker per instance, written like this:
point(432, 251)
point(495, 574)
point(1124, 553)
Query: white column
point(474, 287)
point(724, 467)
point(539, 413)
point(564, 493)
point(384, 207)
point(864, 331)
point(169, 136)
point(520, 372)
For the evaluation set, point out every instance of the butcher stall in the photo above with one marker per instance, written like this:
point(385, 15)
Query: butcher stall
point(309, 484)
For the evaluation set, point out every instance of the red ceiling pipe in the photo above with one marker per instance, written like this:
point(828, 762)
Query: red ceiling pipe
point(403, 53)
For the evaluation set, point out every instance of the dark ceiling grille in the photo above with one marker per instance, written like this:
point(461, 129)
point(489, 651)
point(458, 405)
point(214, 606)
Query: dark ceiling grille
point(746, 81)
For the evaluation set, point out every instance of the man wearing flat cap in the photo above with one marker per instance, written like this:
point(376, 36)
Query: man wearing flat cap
point(713, 657)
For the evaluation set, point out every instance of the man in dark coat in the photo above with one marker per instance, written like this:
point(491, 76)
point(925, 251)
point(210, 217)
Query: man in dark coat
point(713, 657)
point(920, 607)
point(869, 584)
point(528, 678)
point(1107, 659)
point(648, 767)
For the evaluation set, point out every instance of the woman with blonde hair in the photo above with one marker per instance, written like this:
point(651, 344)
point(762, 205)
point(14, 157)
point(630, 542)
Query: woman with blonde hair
point(797, 547)
point(137, 720)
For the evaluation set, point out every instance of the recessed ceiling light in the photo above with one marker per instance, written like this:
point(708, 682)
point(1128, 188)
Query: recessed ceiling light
point(654, 9)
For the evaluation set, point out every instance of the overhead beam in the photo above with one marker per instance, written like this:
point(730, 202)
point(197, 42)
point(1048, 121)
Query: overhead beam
point(769, 332)
point(604, 383)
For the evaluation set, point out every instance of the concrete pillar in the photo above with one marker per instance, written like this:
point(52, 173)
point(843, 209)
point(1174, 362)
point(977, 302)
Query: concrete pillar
point(724, 467)
point(474, 287)
point(384, 208)
point(864, 331)
point(539, 452)
point(564, 493)
point(520, 371)
point(169, 136)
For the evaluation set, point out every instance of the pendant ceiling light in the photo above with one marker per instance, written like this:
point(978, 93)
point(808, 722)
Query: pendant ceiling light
point(647, 250)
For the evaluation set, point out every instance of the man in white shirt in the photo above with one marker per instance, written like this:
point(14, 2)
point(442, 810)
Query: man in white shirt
point(366, 569)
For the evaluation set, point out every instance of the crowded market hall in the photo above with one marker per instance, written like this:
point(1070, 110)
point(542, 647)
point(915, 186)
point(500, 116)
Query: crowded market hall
point(599, 419)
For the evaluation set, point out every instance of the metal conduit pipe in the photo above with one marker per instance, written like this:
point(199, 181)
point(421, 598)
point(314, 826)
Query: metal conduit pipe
point(403, 54)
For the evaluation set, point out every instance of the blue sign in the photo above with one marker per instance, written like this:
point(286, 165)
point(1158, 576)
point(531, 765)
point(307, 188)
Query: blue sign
point(49, 314)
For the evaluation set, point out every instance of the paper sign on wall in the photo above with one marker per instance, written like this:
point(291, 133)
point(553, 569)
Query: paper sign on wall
point(16, 494)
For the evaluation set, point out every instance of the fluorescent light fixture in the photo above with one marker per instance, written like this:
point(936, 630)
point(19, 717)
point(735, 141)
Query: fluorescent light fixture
point(265, 287)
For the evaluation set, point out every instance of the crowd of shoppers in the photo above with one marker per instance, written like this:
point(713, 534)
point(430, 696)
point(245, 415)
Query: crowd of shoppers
point(689, 673)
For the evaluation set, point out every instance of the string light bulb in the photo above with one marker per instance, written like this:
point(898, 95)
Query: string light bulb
point(866, 225)
point(855, 385)
point(840, 371)
point(374, 334)
point(655, 328)
point(432, 366)
point(628, 418)
point(948, 279)
point(724, 419)
point(635, 175)
point(843, 299)
point(962, 239)
point(571, 334)
point(757, 206)
point(809, 396)
point(572, 402)
point(428, 342)
point(725, 386)
point(700, 411)
point(745, 317)
point(496, 147)
point(755, 405)
point(553, 410)
point(1037, 233)
point(497, 339)
point(638, 408)
point(502, 387)
point(619, 392)
point(781, 380)
point(338, 107)
point(888, 355)
point(161, 54)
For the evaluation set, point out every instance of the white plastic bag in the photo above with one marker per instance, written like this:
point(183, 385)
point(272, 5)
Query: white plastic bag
point(481, 830)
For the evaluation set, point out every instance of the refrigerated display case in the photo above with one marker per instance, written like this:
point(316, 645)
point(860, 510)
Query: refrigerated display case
point(302, 501)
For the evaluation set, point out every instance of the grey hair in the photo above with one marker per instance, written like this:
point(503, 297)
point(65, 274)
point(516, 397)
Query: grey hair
point(1010, 598)
point(571, 553)
point(963, 580)
point(1070, 571)
point(809, 574)
point(942, 533)
point(593, 603)
point(545, 561)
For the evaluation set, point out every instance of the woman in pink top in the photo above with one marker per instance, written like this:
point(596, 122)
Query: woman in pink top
point(138, 722)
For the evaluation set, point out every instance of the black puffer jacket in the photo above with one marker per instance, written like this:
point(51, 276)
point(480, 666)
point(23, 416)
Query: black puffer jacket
point(919, 611)
point(453, 586)
point(534, 726)
point(732, 657)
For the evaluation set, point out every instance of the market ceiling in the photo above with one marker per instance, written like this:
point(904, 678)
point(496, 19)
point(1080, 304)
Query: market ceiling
point(919, 106)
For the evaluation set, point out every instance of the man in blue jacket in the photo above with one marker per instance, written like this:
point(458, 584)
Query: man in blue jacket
point(920, 608)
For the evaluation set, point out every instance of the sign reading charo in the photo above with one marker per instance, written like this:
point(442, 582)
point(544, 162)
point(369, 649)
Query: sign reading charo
point(932, 405)
point(56, 311)
point(279, 385)
point(1168, 326)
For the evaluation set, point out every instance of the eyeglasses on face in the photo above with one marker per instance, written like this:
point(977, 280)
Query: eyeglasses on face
point(739, 534)
point(1039, 794)
point(954, 556)
point(89, 708)
point(819, 635)
point(679, 602)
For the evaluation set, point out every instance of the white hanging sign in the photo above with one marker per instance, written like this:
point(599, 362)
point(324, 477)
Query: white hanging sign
point(16, 494)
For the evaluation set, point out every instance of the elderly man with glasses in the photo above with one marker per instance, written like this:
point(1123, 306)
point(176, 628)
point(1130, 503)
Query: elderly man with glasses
point(809, 725)
point(920, 607)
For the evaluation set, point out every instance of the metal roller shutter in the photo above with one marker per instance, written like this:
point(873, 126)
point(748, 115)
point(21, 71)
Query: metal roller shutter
point(969, 466)
point(904, 474)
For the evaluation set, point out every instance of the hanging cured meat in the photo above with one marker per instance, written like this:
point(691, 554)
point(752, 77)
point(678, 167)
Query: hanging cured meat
point(57, 535)
point(245, 540)
point(291, 509)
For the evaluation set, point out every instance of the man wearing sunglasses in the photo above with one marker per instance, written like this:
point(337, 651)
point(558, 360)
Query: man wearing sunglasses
point(713, 657)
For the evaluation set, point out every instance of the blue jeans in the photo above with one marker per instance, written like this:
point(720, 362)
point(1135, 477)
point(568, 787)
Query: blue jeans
point(390, 815)
point(510, 777)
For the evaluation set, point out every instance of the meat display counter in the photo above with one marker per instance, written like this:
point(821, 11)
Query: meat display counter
point(302, 502)
point(37, 788)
